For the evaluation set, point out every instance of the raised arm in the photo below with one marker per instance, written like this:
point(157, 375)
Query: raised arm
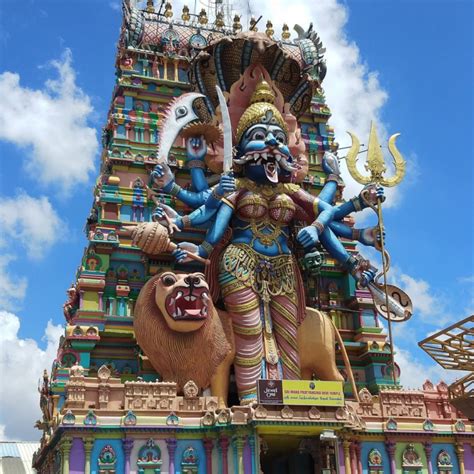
point(213, 236)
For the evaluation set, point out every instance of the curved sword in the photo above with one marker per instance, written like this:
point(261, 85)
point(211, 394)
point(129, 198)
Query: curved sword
point(227, 165)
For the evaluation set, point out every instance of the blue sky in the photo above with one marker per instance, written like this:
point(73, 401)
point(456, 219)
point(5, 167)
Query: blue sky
point(408, 64)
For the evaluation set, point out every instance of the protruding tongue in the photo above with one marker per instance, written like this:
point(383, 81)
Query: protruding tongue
point(193, 312)
point(271, 171)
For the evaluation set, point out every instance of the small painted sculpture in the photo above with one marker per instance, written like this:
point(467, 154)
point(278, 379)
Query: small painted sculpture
point(70, 306)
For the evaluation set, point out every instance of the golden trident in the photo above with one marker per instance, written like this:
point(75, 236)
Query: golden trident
point(375, 165)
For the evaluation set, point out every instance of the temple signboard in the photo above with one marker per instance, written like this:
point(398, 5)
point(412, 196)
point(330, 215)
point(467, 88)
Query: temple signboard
point(300, 392)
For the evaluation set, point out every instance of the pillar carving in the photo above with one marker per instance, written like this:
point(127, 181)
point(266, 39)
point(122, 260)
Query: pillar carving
point(101, 302)
point(66, 445)
point(460, 455)
point(358, 449)
point(127, 444)
point(353, 458)
point(239, 442)
point(251, 441)
point(390, 445)
point(224, 446)
point(346, 446)
point(208, 446)
point(88, 445)
point(428, 447)
point(171, 444)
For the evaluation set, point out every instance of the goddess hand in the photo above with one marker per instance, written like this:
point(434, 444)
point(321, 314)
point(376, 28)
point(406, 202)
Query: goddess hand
point(371, 236)
point(330, 164)
point(308, 236)
point(158, 213)
point(162, 176)
point(226, 184)
point(371, 195)
point(181, 253)
point(367, 276)
point(196, 148)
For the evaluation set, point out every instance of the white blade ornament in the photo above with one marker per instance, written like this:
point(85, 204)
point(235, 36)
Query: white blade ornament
point(227, 164)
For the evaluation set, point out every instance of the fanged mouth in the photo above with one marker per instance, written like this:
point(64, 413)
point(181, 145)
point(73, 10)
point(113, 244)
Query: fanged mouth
point(272, 161)
point(186, 305)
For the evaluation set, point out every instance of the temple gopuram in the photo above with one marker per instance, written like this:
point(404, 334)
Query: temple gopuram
point(222, 319)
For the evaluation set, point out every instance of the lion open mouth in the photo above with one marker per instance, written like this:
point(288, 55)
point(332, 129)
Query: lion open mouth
point(186, 304)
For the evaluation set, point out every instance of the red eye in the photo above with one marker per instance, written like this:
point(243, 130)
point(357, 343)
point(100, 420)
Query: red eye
point(168, 279)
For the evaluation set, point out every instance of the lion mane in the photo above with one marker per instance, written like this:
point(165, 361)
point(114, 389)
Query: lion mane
point(179, 356)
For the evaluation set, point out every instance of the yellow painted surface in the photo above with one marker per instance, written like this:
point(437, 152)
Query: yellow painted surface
point(90, 301)
point(313, 393)
point(311, 429)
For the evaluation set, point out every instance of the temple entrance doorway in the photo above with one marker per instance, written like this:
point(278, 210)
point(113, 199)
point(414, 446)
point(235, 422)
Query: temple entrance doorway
point(298, 455)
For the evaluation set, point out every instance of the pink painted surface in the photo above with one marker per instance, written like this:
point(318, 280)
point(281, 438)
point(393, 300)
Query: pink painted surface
point(468, 458)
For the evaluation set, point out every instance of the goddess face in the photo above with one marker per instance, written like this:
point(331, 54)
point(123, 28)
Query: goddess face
point(264, 153)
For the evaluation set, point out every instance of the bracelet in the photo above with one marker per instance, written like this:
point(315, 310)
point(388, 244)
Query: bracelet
point(356, 203)
point(186, 221)
point(356, 234)
point(216, 195)
point(196, 164)
point(319, 227)
point(175, 189)
point(207, 247)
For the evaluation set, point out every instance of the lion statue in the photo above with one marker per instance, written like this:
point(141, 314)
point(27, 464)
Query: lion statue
point(185, 337)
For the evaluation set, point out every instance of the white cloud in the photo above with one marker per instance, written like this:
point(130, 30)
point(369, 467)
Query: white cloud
point(30, 221)
point(51, 123)
point(429, 305)
point(12, 288)
point(115, 5)
point(414, 372)
point(22, 363)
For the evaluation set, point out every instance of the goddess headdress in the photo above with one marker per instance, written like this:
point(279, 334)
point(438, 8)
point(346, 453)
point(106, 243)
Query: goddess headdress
point(260, 110)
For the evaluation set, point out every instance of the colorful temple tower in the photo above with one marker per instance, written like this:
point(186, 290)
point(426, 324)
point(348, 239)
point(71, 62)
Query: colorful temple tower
point(106, 408)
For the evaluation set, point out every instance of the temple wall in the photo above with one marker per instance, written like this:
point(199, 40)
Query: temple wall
point(469, 457)
point(77, 457)
point(367, 446)
point(139, 443)
point(117, 447)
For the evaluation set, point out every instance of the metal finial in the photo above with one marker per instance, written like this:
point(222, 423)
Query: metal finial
point(185, 16)
point(285, 32)
point(237, 26)
point(269, 31)
point(168, 10)
point(203, 17)
point(150, 7)
point(253, 24)
point(220, 20)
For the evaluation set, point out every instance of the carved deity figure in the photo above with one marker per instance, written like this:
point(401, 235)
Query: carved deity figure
point(258, 275)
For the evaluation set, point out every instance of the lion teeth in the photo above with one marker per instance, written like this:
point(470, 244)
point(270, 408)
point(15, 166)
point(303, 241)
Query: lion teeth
point(178, 313)
point(264, 156)
point(256, 156)
point(190, 298)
